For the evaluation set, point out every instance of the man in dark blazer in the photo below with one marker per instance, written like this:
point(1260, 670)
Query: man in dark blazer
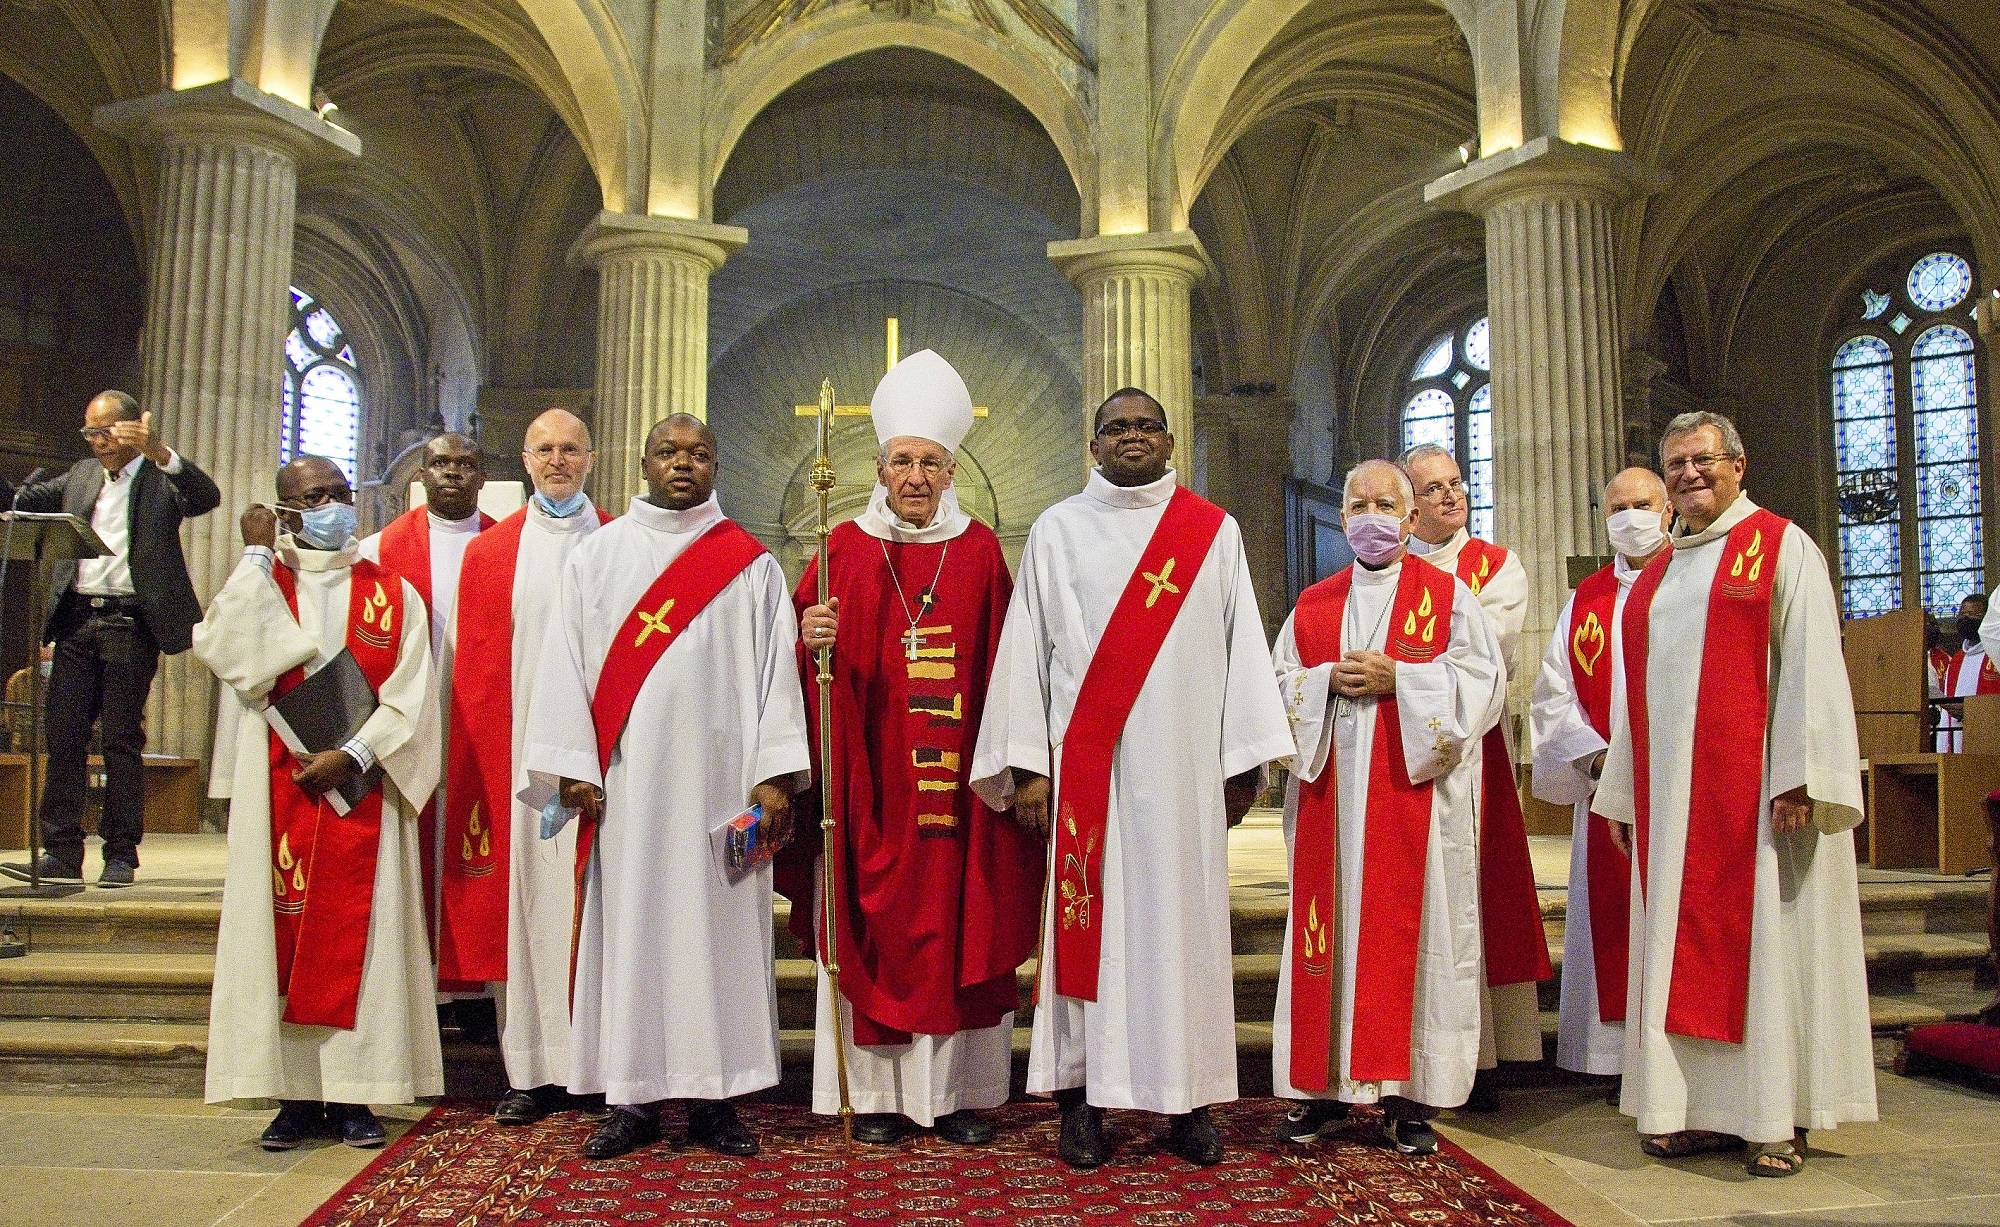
point(109, 619)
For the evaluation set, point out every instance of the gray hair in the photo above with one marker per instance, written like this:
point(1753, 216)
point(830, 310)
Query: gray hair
point(1402, 479)
point(1686, 423)
point(1422, 450)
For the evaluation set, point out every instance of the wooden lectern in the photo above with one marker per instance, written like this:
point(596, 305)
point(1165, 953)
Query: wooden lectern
point(40, 538)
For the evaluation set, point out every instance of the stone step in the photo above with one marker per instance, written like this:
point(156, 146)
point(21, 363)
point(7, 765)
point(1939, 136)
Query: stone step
point(69, 984)
point(87, 922)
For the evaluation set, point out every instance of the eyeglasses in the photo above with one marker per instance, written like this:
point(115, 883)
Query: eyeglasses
point(1438, 489)
point(318, 497)
point(94, 433)
point(1705, 463)
point(1132, 426)
point(549, 451)
point(901, 465)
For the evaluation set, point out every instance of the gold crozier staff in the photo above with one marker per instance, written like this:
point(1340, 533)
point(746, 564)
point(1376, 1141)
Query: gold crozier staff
point(822, 481)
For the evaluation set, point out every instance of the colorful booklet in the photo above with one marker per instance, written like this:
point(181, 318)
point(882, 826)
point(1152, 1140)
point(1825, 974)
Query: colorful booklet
point(739, 846)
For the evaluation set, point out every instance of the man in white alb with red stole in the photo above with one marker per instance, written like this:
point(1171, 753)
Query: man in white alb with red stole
point(1968, 671)
point(1133, 649)
point(1515, 945)
point(1391, 676)
point(940, 894)
point(508, 901)
point(323, 992)
point(1578, 699)
point(426, 546)
point(1747, 1014)
point(666, 700)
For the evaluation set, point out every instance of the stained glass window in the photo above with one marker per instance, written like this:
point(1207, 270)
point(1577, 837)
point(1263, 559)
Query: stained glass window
point(1906, 446)
point(321, 413)
point(1939, 281)
point(1450, 399)
point(1864, 444)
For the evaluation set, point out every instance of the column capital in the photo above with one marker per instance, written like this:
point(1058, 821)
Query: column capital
point(231, 111)
point(1170, 253)
point(1546, 168)
point(612, 235)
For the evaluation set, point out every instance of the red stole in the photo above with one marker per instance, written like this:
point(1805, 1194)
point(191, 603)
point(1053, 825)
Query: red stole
point(674, 600)
point(1710, 990)
point(323, 862)
point(1396, 837)
point(1989, 677)
point(479, 768)
point(1608, 871)
point(405, 549)
point(1153, 596)
point(1510, 913)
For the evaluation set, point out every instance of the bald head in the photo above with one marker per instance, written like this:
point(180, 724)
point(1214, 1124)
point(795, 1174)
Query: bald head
point(304, 476)
point(1635, 487)
point(1636, 512)
point(681, 462)
point(1382, 484)
point(556, 452)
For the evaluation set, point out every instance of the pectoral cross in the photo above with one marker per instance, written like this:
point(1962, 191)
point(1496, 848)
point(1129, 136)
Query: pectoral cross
point(912, 640)
point(893, 355)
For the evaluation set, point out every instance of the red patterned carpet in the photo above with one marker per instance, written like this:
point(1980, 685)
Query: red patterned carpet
point(457, 1167)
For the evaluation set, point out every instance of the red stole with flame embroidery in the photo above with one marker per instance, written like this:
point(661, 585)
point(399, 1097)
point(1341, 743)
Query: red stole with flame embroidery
point(1709, 994)
point(1510, 913)
point(323, 862)
point(675, 598)
point(1145, 612)
point(1608, 871)
point(1396, 838)
point(1989, 677)
point(479, 805)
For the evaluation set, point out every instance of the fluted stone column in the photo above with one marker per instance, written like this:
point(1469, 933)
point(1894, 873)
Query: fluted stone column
point(1556, 346)
point(226, 159)
point(1246, 442)
point(1137, 330)
point(652, 332)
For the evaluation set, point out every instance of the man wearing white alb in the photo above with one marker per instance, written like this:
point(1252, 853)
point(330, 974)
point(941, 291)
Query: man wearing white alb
point(1747, 1008)
point(1391, 676)
point(1578, 699)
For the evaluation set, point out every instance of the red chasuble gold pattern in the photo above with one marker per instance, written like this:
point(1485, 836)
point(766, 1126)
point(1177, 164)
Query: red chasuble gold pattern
point(322, 861)
point(1608, 871)
point(1510, 913)
point(1710, 993)
point(941, 893)
point(1397, 826)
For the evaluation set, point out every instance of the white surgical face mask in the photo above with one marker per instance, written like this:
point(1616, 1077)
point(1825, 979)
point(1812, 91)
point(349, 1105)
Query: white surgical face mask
point(1374, 537)
point(1635, 532)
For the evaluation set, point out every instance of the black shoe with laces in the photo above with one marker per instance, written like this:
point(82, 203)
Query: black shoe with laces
point(623, 1131)
point(297, 1120)
point(1410, 1137)
point(357, 1125)
point(714, 1123)
point(1193, 1137)
point(1081, 1143)
point(1303, 1123)
point(117, 874)
point(526, 1107)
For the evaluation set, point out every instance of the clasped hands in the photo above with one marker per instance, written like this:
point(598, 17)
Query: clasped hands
point(321, 773)
point(774, 829)
point(1358, 675)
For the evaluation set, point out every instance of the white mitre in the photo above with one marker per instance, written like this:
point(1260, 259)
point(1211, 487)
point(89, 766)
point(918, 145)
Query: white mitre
point(921, 397)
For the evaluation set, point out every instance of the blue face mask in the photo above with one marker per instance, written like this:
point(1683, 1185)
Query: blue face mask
point(563, 510)
point(327, 526)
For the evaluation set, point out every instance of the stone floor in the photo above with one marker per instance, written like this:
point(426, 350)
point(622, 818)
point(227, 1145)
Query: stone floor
point(1934, 1158)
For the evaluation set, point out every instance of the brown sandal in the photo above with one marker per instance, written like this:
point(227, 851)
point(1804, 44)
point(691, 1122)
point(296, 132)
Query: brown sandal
point(1778, 1159)
point(1689, 1142)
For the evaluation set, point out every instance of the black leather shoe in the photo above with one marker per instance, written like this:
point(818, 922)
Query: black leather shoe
point(53, 871)
point(1303, 1123)
point(521, 1107)
point(1193, 1137)
point(713, 1123)
point(622, 1132)
point(879, 1128)
point(1081, 1143)
point(117, 874)
point(965, 1127)
point(358, 1126)
point(297, 1119)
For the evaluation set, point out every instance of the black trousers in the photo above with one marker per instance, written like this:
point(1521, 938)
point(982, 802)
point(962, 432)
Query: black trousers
point(104, 665)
